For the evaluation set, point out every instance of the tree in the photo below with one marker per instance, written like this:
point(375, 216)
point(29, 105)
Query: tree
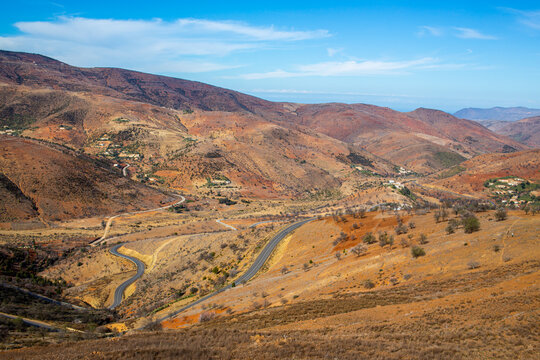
point(471, 224)
point(501, 214)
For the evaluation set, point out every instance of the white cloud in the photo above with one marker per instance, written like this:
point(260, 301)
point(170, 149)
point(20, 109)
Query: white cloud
point(467, 33)
point(528, 18)
point(349, 68)
point(184, 45)
point(333, 51)
point(429, 30)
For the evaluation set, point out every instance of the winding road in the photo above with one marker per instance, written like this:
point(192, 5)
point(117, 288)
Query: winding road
point(110, 220)
point(119, 292)
point(250, 273)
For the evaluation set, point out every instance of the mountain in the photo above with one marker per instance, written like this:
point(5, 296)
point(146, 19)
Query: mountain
point(526, 131)
point(497, 113)
point(47, 182)
point(192, 135)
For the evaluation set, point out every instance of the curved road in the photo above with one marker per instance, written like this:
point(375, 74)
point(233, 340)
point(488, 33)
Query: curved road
point(119, 292)
point(252, 271)
point(109, 222)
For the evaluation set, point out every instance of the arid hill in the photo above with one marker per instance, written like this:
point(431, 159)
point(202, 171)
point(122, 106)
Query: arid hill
point(526, 131)
point(423, 141)
point(469, 176)
point(56, 183)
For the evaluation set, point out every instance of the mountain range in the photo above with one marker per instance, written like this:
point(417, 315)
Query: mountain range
point(191, 136)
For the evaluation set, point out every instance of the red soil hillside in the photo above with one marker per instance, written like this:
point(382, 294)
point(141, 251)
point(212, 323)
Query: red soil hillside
point(470, 176)
point(424, 140)
point(59, 184)
point(526, 131)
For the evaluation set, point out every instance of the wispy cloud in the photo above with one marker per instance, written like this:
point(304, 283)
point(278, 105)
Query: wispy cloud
point(333, 51)
point(184, 45)
point(349, 68)
point(529, 18)
point(429, 30)
point(468, 33)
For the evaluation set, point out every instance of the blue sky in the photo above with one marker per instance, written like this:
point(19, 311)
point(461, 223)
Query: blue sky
point(401, 54)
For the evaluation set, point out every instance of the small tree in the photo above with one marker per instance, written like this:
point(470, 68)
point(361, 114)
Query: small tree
point(501, 214)
point(369, 238)
point(417, 251)
point(383, 239)
point(359, 250)
point(423, 239)
point(471, 224)
point(452, 226)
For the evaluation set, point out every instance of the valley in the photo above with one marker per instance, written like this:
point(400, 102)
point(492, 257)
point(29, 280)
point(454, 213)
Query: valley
point(156, 217)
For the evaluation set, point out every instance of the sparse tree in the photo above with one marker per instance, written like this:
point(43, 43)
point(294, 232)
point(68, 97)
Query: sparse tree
point(501, 214)
point(369, 238)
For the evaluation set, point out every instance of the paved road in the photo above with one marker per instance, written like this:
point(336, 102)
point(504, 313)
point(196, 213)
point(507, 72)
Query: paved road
point(252, 271)
point(119, 292)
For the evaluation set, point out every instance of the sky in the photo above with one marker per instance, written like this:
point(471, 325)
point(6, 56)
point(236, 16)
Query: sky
point(401, 54)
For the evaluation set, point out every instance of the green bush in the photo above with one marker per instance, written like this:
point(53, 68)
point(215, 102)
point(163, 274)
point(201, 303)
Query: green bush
point(417, 251)
point(471, 224)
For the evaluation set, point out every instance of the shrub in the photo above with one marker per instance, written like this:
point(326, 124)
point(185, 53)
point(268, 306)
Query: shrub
point(284, 270)
point(471, 224)
point(359, 250)
point(423, 239)
point(473, 265)
point(417, 251)
point(401, 229)
point(369, 238)
point(496, 248)
point(207, 316)
point(368, 284)
point(338, 255)
point(412, 225)
point(501, 214)
point(452, 226)
point(383, 238)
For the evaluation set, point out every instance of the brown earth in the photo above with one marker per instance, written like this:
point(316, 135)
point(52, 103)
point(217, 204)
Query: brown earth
point(526, 131)
point(471, 175)
point(56, 183)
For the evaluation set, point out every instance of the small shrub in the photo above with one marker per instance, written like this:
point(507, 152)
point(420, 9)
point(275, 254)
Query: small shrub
point(369, 238)
point(417, 251)
point(359, 250)
point(284, 270)
point(338, 255)
point(368, 284)
point(423, 239)
point(496, 248)
point(207, 316)
point(473, 265)
point(412, 225)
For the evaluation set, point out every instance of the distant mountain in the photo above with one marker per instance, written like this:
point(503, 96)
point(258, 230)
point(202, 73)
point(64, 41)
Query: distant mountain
point(497, 113)
point(526, 131)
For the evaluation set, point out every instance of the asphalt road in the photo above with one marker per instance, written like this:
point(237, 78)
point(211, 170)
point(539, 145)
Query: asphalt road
point(119, 292)
point(251, 272)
